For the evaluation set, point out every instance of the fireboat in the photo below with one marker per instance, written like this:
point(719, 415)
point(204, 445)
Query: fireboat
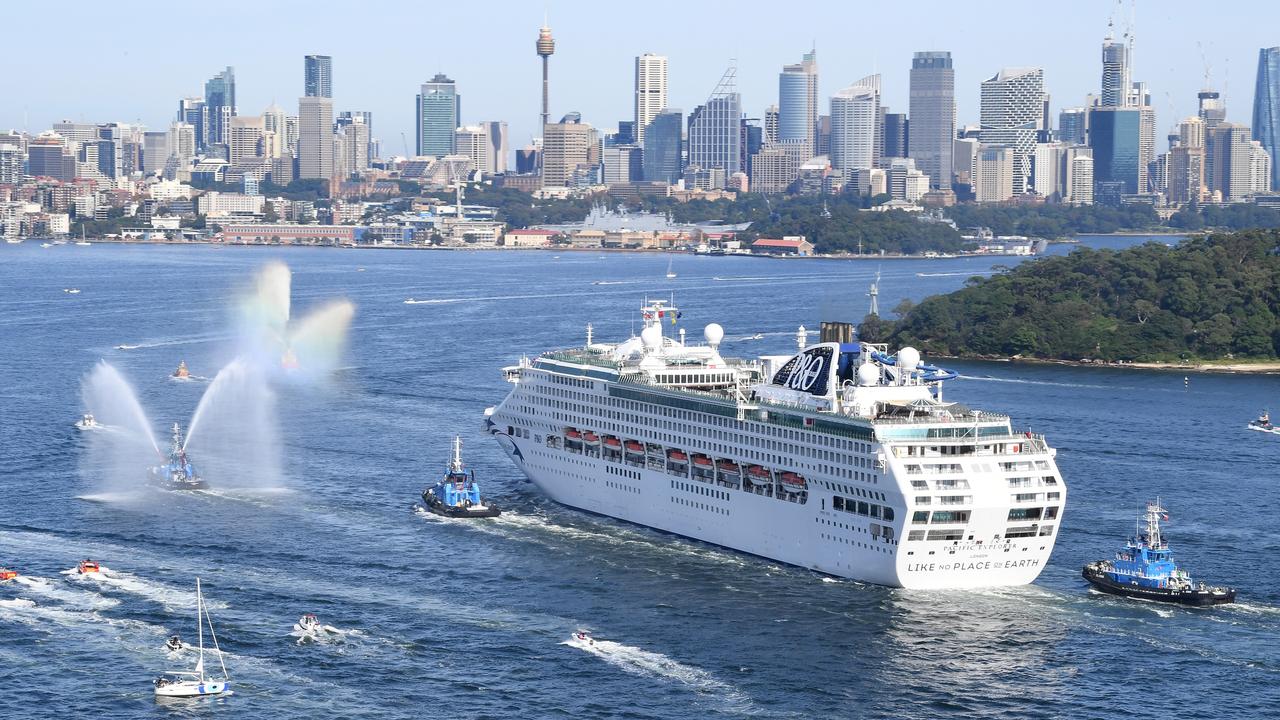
point(457, 495)
point(178, 473)
point(182, 373)
point(1145, 569)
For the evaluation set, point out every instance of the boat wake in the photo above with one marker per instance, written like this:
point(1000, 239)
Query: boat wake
point(170, 598)
point(68, 596)
point(956, 274)
point(127, 347)
point(25, 610)
point(1048, 383)
point(650, 664)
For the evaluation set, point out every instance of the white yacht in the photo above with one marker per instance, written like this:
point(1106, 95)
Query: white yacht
point(195, 683)
point(841, 458)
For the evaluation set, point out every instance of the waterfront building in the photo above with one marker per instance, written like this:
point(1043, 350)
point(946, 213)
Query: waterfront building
point(798, 102)
point(663, 146)
point(715, 131)
point(1266, 108)
point(1012, 114)
point(855, 115)
point(318, 76)
point(650, 91)
point(315, 138)
point(932, 113)
point(439, 107)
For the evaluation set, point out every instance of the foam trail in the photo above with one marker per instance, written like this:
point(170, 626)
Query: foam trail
point(171, 598)
point(643, 662)
point(75, 598)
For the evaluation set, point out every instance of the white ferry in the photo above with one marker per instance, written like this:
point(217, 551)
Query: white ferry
point(842, 458)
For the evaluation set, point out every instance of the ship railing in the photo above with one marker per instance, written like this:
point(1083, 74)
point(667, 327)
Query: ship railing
point(583, 357)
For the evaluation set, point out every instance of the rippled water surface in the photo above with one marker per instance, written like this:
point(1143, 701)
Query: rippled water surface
point(458, 619)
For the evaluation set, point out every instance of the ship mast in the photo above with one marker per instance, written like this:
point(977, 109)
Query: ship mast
point(1154, 512)
point(455, 466)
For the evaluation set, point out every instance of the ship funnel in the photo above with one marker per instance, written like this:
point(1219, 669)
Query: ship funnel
point(836, 332)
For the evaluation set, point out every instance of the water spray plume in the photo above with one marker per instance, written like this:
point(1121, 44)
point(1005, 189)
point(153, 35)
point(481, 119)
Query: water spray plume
point(118, 455)
point(310, 349)
point(234, 431)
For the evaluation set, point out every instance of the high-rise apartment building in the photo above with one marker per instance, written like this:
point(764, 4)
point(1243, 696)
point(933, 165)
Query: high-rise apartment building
point(1115, 72)
point(356, 143)
point(273, 121)
point(1266, 108)
point(220, 106)
point(651, 92)
point(1230, 164)
point(932, 113)
point(771, 124)
point(715, 130)
point(855, 116)
point(663, 147)
point(1012, 114)
point(994, 173)
point(1080, 179)
point(798, 102)
point(315, 138)
point(318, 76)
point(439, 108)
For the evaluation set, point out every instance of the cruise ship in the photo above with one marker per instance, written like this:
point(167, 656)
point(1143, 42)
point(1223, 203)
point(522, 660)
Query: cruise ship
point(841, 458)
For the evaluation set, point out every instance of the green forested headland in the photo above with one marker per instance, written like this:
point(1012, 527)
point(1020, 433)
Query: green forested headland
point(1206, 298)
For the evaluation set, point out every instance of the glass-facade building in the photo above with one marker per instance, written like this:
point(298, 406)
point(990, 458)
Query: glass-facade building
point(932, 112)
point(663, 147)
point(220, 105)
point(1266, 108)
point(319, 76)
point(715, 134)
point(798, 102)
point(439, 107)
point(1114, 135)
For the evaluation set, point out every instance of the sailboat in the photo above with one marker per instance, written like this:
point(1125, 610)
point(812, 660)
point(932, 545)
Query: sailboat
point(181, 683)
point(670, 273)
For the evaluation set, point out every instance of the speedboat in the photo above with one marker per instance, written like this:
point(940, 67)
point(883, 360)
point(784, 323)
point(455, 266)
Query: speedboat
point(71, 291)
point(174, 644)
point(177, 473)
point(7, 574)
point(1145, 569)
point(309, 627)
point(87, 422)
point(1263, 423)
point(194, 683)
point(87, 566)
point(457, 495)
point(582, 636)
point(182, 373)
point(758, 336)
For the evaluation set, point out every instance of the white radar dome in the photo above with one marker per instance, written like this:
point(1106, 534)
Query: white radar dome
point(651, 337)
point(714, 334)
point(908, 358)
point(868, 374)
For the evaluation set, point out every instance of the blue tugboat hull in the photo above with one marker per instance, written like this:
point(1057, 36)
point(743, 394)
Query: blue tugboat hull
point(433, 504)
point(1193, 597)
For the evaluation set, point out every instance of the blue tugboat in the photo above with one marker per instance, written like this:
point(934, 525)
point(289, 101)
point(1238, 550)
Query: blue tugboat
point(457, 495)
point(1145, 569)
point(177, 473)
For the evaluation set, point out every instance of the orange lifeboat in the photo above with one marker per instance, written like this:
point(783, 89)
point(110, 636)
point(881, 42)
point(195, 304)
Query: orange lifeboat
point(677, 456)
point(635, 447)
point(7, 574)
point(791, 482)
point(88, 566)
point(729, 467)
point(612, 442)
point(572, 434)
point(590, 437)
point(702, 461)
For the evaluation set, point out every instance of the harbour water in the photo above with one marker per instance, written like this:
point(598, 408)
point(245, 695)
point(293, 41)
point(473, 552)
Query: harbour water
point(459, 619)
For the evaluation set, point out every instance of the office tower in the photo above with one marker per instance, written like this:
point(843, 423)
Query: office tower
point(527, 160)
point(1080, 180)
point(965, 157)
point(905, 181)
point(798, 102)
point(1046, 168)
point(473, 142)
point(1186, 174)
point(773, 169)
point(1266, 108)
point(663, 147)
point(932, 111)
point(496, 132)
point(626, 134)
point(895, 135)
point(1115, 72)
point(1073, 125)
point(566, 146)
point(622, 164)
point(1211, 108)
point(1191, 132)
point(244, 139)
point(1228, 162)
point(1260, 165)
point(855, 113)
point(315, 138)
point(318, 76)
point(273, 121)
point(48, 156)
point(824, 135)
point(356, 130)
point(546, 46)
point(715, 129)
point(1012, 113)
point(220, 106)
point(651, 91)
point(439, 109)
point(155, 152)
point(182, 142)
point(193, 112)
point(1115, 136)
point(771, 124)
point(994, 173)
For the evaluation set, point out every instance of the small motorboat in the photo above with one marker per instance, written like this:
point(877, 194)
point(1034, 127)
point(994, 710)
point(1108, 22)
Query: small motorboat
point(1145, 569)
point(7, 574)
point(758, 336)
point(1263, 423)
point(309, 627)
point(71, 291)
point(194, 683)
point(581, 636)
point(182, 373)
point(174, 644)
point(86, 422)
point(457, 495)
point(88, 566)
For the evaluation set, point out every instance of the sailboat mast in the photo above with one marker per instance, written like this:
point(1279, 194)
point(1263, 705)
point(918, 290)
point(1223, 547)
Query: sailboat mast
point(200, 628)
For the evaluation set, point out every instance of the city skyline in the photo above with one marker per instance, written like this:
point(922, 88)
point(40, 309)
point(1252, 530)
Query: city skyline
point(593, 73)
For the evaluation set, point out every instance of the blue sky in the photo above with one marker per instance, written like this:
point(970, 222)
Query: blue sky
point(131, 61)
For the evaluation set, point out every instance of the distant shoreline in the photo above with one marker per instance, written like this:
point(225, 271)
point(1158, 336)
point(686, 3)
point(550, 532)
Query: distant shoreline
point(1265, 367)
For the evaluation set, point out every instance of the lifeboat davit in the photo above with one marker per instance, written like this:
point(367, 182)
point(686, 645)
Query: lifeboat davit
point(791, 482)
point(7, 574)
point(88, 566)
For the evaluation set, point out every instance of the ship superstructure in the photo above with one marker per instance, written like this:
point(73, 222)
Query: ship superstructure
point(841, 458)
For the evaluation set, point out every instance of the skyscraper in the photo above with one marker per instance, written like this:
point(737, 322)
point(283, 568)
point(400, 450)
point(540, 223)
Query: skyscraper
point(220, 105)
point(651, 91)
point(473, 142)
point(662, 147)
point(1266, 108)
point(496, 130)
point(895, 135)
point(1073, 125)
point(244, 139)
point(439, 108)
point(715, 129)
point(932, 113)
point(319, 76)
point(315, 138)
point(1012, 111)
point(1115, 136)
point(1115, 73)
point(798, 102)
point(855, 113)
point(567, 146)
point(546, 46)
point(771, 124)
